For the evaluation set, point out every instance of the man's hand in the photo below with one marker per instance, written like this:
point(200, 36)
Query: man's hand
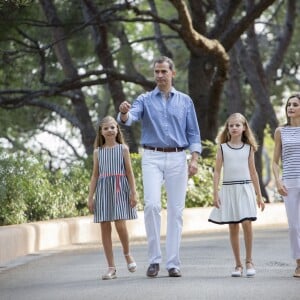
point(193, 167)
point(124, 107)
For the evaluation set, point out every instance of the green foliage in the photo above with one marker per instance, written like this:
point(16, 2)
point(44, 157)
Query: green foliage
point(29, 192)
point(15, 3)
point(200, 186)
point(33, 66)
point(136, 161)
point(12, 204)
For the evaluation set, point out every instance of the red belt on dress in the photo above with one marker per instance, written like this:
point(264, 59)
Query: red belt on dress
point(117, 179)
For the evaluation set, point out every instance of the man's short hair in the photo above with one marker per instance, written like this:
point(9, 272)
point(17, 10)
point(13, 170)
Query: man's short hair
point(166, 59)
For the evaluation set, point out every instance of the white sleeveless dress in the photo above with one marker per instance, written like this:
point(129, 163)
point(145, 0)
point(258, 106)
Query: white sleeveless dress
point(237, 194)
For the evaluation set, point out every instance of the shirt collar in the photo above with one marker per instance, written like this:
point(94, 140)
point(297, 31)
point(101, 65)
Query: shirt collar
point(157, 91)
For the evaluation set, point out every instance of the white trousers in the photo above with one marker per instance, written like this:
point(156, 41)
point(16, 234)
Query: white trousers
point(292, 205)
point(170, 169)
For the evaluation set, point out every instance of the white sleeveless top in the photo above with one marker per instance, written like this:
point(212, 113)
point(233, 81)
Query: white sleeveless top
point(290, 139)
point(235, 164)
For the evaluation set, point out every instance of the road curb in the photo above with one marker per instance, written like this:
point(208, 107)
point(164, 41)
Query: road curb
point(24, 239)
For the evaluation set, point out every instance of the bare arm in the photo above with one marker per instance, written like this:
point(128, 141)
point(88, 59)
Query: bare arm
point(255, 180)
point(130, 176)
point(93, 182)
point(216, 178)
point(276, 163)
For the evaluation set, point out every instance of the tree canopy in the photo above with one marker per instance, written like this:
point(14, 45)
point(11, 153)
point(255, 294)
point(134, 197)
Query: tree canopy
point(74, 62)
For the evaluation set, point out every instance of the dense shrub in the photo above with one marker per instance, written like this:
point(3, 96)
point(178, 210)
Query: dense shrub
point(12, 202)
point(29, 192)
point(200, 186)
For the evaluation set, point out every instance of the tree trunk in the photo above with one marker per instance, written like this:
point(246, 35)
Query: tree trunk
point(64, 58)
point(234, 100)
point(206, 97)
point(100, 34)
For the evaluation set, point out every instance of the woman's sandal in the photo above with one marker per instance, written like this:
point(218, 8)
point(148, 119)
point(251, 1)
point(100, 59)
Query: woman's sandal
point(110, 274)
point(131, 266)
point(238, 271)
point(250, 271)
point(297, 272)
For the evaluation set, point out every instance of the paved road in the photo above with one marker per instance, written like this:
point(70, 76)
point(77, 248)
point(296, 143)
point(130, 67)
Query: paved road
point(74, 273)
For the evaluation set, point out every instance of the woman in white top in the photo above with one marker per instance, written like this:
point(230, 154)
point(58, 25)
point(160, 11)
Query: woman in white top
point(287, 148)
point(235, 203)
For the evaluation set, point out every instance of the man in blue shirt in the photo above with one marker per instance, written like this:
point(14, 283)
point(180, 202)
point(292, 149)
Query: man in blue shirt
point(169, 127)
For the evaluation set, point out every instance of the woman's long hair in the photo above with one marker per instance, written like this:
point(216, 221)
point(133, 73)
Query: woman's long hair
point(288, 120)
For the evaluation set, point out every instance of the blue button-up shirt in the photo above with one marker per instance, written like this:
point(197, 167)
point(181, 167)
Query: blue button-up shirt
point(166, 123)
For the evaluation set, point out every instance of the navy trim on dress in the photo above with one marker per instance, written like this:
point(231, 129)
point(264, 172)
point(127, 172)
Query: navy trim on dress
point(233, 222)
point(237, 182)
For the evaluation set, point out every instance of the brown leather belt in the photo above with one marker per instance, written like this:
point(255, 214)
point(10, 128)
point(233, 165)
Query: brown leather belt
point(177, 149)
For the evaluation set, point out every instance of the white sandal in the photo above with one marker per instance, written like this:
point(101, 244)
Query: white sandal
point(110, 274)
point(238, 271)
point(131, 266)
point(250, 271)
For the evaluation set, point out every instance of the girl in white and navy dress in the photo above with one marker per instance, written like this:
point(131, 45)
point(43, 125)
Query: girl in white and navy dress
point(287, 149)
point(112, 193)
point(235, 202)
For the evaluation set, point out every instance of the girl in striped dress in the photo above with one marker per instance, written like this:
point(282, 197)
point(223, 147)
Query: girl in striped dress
point(235, 203)
point(112, 193)
point(287, 149)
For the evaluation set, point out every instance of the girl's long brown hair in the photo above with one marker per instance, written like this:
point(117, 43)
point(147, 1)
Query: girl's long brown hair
point(247, 137)
point(100, 140)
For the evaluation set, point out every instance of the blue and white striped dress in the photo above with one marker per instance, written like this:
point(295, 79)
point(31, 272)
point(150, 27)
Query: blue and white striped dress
point(290, 138)
point(112, 191)
point(237, 194)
